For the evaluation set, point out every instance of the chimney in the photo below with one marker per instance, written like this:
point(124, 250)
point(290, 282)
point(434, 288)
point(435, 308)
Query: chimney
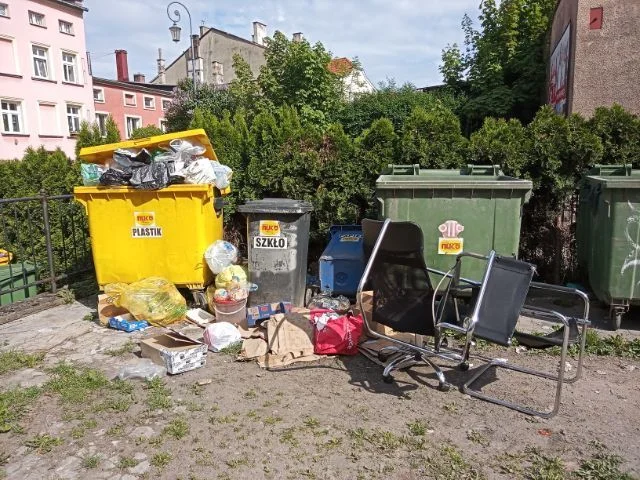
point(162, 77)
point(259, 33)
point(218, 73)
point(122, 67)
point(297, 37)
point(139, 78)
point(195, 41)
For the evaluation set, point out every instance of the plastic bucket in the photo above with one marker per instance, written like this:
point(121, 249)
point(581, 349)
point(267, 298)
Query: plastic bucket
point(232, 312)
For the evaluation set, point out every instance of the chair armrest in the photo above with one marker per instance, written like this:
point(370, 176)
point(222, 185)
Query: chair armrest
point(471, 283)
point(537, 311)
point(570, 291)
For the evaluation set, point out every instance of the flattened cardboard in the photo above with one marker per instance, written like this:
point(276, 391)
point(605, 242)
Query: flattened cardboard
point(106, 310)
point(177, 352)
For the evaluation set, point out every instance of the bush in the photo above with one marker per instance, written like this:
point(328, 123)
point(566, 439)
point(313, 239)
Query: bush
point(144, 132)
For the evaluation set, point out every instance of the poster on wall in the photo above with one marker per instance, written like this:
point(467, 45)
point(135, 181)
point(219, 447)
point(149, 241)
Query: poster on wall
point(559, 73)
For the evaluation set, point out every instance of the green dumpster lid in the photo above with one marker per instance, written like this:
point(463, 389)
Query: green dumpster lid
point(478, 177)
point(276, 205)
point(614, 176)
point(15, 270)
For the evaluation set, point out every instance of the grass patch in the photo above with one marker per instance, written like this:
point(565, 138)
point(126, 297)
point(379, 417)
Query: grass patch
point(311, 422)
point(233, 349)
point(177, 429)
point(270, 420)
point(477, 437)
point(116, 431)
point(238, 462)
point(115, 404)
point(75, 385)
point(544, 467)
point(66, 295)
point(449, 464)
point(602, 466)
point(127, 348)
point(381, 439)
point(43, 443)
point(250, 394)
point(225, 419)
point(91, 462)
point(288, 436)
point(161, 460)
point(127, 462)
point(14, 404)
point(16, 360)
point(80, 430)
point(418, 428)
point(158, 395)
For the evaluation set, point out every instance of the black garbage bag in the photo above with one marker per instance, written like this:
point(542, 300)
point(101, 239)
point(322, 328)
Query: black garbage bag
point(150, 177)
point(175, 175)
point(128, 158)
point(114, 177)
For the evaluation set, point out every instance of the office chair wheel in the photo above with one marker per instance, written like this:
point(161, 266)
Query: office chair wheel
point(464, 366)
point(387, 378)
point(444, 387)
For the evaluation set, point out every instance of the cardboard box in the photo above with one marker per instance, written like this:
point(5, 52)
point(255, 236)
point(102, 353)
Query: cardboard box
point(106, 310)
point(177, 352)
point(265, 311)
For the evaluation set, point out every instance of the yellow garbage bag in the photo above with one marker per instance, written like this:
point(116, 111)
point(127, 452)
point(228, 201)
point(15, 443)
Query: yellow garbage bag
point(231, 275)
point(153, 299)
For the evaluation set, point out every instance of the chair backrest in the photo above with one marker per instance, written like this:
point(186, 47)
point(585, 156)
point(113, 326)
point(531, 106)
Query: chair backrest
point(398, 277)
point(501, 298)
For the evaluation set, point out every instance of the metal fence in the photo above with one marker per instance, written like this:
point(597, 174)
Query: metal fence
point(48, 243)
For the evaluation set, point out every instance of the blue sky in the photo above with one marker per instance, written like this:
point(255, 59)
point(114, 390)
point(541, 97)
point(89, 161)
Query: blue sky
point(399, 39)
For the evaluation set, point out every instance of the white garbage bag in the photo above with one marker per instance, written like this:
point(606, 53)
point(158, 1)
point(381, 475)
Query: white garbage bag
point(220, 335)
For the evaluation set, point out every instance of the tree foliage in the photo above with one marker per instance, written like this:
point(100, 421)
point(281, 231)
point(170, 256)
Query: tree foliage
point(90, 134)
point(502, 68)
point(144, 132)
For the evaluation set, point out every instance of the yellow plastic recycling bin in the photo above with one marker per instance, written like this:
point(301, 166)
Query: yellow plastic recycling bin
point(143, 233)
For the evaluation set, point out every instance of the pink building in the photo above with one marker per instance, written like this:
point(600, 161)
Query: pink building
point(131, 104)
point(45, 87)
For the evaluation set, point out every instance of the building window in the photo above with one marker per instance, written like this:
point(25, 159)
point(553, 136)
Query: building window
point(101, 120)
point(73, 118)
point(48, 119)
point(165, 104)
point(69, 67)
point(4, 10)
point(149, 103)
point(98, 95)
point(595, 18)
point(40, 61)
point(163, 125)
point(36, 19)
point(132, 124)
point(66, 27)
point(11, 116)
point(9, 63)
point(130, 99)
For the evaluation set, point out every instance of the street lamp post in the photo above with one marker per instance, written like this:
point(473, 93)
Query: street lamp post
point(175, 36)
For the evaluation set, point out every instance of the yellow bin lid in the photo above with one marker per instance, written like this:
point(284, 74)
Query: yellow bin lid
point(102, 153)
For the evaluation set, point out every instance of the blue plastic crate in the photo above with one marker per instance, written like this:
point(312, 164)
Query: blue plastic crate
point(342, 262)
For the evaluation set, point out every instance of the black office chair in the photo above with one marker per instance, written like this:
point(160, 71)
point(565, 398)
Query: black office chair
point(402, 296)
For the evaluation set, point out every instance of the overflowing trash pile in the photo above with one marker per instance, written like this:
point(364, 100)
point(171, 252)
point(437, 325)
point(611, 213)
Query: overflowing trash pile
point(183, 161)
point(263, 321)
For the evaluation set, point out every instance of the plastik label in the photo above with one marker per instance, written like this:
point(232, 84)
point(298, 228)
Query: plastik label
point(450, 246)
point(269, 228)
point(146, 232)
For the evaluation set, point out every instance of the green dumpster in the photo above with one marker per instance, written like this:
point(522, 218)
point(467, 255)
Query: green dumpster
point(15, 276)
point(608, 236)
point(475, 209)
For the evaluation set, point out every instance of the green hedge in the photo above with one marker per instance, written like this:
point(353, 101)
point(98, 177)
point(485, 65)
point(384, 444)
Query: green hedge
point(276, 153)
